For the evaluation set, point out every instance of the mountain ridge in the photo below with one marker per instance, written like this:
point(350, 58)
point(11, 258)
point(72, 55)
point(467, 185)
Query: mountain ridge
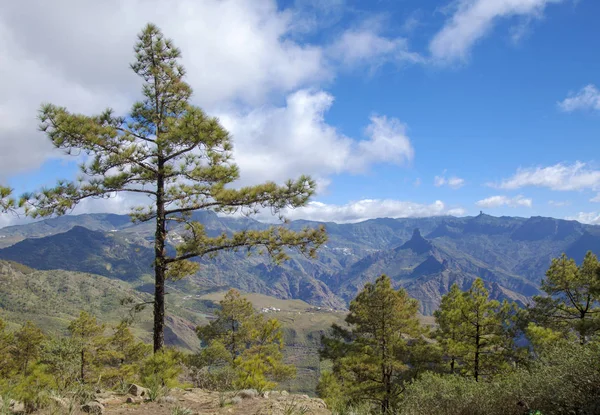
point(511, 254)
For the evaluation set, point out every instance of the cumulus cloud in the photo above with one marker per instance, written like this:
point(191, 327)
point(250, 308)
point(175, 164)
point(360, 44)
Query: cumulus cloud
point(592, 218)
point(240, 55)
point(281, 142)
point(453, 182)
point(369, 209)
point(577, 176)
point(474, 19)
point(587, 98)
point(497, 201)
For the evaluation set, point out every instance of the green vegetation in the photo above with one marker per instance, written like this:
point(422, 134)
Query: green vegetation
point(475, 332)
point(482, 356)
point(383, 365)
point(172, 152)
point(243, 348)
point(380, 350)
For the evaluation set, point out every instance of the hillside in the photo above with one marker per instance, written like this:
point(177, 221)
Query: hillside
point(510, 254)
point(51, 299)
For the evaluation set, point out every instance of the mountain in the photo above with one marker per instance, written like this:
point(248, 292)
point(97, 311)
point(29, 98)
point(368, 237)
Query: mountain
point(425, 255)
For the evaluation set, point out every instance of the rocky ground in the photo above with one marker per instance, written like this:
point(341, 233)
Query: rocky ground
point(199, 402)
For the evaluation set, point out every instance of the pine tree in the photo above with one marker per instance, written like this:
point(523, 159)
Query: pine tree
point(6, 345)
point(448, 318)
point(181, 159)
point(573, 302)
point(373, 357)
point(476, 332)
point(27, 346)
point(246, 341)
point(121, 355)
point(87, 332)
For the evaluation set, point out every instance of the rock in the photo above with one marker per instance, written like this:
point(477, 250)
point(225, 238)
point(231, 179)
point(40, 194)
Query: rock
point(248, 393)
point(137, 390)
point(284, 393)
point(236, 400)
point(93, 408)
point(62, 402)
point(265, 395)
point(16, 407)
point(320, 402)
point(133, 399)
point(167, 399)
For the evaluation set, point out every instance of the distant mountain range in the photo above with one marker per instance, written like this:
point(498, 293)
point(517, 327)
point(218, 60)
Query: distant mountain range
point(425, 255)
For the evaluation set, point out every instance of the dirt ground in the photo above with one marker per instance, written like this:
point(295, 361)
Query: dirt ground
point(202, 402)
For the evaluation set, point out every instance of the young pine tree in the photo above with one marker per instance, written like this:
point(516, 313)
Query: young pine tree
point(27, 347)
point(87, 333)
point(448, 318)
point(476, 332)
point(6, 345)
point(244, 340)
point(372, 359)
point(573, 301)
point(179, 158)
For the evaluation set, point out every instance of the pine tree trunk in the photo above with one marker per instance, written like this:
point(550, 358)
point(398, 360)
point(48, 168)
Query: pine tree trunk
point(477, 351)
point(82, 374)
point(159, 265)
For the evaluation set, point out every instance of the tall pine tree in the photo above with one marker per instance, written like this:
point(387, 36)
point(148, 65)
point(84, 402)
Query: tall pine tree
point(181, 159)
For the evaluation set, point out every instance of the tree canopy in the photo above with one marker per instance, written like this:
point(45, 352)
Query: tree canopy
point(179, 158)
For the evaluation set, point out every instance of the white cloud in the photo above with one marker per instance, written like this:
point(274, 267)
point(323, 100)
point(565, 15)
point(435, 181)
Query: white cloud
point(240, 56)
point(452, 182)
point(595, 199)
point(369, 209)
point(366, 46)
point(588, 98)
point(577, 176)
point(559, 203)
point(497, 201)
point(592, 218)
point(474, 19)
point(282, 142)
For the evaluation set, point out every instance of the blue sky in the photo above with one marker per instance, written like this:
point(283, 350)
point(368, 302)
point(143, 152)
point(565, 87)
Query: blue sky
point(398, 108)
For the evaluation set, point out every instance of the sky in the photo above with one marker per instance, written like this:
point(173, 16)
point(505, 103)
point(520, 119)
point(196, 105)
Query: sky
point(398, 108)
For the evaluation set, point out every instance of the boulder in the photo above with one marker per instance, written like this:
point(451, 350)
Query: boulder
point(248, 393)
point(137, 390)
point(16, 407)
point(93, 408)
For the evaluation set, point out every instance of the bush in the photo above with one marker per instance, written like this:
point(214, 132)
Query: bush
point(564, 380)
point(160, 372)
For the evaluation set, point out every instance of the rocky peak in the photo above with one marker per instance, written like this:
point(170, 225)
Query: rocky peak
point(417, 243)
